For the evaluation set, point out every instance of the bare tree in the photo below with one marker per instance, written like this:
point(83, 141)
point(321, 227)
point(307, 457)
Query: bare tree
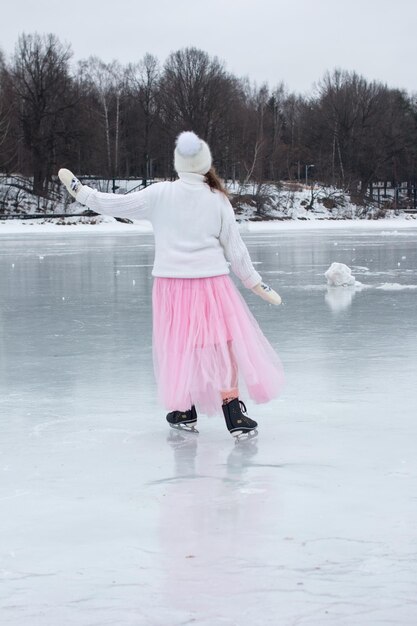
point(108, 119)
point(366, 127)
point(195, 92)
point(4, 113)
point(4, 120)
point(106, 80)
point(276, 106)
point(143, 81)
point(41, 83)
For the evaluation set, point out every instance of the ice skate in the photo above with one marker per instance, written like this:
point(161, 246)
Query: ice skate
point(183, 420)
point(239, 425)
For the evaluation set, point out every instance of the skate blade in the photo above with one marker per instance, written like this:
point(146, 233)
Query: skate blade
point(241, 435)
point(187, 428)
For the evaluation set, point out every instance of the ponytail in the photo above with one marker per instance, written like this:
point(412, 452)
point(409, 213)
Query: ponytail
point(214, 182)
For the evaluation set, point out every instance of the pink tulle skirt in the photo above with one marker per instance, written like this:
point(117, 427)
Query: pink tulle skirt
point(205, 341)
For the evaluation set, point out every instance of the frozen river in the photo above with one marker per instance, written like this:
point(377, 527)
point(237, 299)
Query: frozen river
point(109, 517)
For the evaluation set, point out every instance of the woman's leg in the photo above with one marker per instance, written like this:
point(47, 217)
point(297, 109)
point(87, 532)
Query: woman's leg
point(238, 423)
point(229, 394)
point(231, 391)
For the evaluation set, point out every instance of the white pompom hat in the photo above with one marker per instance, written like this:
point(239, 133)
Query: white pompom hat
point(192, 154)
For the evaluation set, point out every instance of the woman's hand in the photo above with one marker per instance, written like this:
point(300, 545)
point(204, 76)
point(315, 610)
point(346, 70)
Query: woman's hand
point(70, 181)
point(266, 293)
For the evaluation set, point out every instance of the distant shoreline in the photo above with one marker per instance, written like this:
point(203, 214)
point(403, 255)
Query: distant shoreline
point(111, 226)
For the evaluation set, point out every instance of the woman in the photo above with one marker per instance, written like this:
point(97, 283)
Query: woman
point(205, 339)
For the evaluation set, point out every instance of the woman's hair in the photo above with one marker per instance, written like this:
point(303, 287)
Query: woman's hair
point(214, 181)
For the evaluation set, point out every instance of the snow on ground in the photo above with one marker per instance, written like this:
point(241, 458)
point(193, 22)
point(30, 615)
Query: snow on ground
point(16, 197)
point(294, 200)
point(285, 205)
point(108, 224)
point(77, 225)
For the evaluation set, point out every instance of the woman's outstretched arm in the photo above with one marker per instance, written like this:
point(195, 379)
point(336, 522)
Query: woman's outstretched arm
point(136, 206)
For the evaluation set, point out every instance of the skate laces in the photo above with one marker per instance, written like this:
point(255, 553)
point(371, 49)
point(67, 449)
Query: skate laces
point(247, 420)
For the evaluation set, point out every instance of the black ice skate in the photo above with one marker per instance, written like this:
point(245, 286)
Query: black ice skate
point(239, 425)
point(183, 420)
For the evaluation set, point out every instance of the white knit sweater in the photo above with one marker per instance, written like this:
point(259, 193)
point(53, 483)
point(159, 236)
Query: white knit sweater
point(195, 230)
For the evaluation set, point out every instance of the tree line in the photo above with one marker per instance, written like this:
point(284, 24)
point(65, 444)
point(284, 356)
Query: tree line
point(116, 121)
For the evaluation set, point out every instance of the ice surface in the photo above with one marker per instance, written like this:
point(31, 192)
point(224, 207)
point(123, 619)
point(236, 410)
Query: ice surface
point(107, 517)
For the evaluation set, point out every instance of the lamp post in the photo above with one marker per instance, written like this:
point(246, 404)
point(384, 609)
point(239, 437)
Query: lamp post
point(307, 168)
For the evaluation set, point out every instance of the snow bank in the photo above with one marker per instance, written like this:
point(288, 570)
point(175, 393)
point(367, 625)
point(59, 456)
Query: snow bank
point(285, 206)
point(73, 225)
point(290, 200)
point(108, 224)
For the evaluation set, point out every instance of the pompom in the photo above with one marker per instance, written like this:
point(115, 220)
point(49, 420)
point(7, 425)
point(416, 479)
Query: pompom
point(188, 144)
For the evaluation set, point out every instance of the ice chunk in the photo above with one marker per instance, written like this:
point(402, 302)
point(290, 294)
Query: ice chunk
point(339, 275)
point(395, 287)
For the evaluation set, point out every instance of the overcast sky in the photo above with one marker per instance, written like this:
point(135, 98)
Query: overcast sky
point(294, 41)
